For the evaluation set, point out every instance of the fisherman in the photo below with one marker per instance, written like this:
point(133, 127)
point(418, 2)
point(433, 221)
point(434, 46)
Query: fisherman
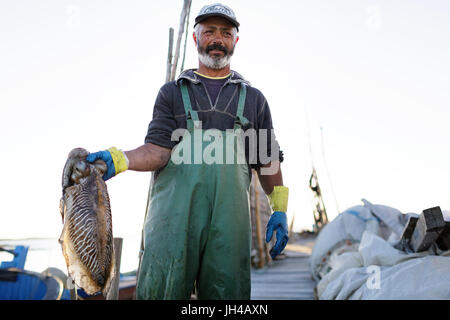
point(197, 230)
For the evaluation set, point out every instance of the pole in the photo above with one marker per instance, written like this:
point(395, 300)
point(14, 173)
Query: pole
point(328, 173)
point(113, 293)
point(184, 13)
point(258, 224)
point(185, 38)
point(291, 227)
point(169, 55)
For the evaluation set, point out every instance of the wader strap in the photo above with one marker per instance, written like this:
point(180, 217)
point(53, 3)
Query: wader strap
point(240, 119)
point(191, 115)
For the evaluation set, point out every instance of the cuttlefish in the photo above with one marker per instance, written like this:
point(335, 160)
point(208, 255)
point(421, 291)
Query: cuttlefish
point(87, 238)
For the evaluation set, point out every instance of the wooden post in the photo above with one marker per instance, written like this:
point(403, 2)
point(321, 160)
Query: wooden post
point(72, 288)
point(184, 13)
point(73, 294)
point(169, 56)
point(113, 293)
point(258, 225)
point(267, 252)
point(186, 37)
point(291, 227)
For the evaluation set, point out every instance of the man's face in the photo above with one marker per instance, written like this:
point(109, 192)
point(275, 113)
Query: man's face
point(215, 41)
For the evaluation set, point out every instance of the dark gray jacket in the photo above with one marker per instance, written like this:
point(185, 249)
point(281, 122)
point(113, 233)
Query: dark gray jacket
point(169, 114)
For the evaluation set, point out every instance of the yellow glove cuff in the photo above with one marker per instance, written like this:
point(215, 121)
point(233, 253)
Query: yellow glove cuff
point(120, 160)
point(279, 198)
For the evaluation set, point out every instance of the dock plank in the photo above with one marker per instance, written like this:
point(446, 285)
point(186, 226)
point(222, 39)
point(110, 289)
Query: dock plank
point(286, 279)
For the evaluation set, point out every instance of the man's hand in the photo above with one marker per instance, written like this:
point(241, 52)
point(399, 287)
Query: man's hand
point(278, 198)
point(116, 161)
point(278, 223)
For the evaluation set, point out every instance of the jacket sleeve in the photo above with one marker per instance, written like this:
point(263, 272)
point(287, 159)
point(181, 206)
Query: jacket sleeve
point(267, 146)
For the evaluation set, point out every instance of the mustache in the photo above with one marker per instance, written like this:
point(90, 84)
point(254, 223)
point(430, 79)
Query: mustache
point(216, 46)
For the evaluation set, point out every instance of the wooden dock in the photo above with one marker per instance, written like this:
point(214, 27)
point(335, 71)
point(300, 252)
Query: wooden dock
point(286, 279)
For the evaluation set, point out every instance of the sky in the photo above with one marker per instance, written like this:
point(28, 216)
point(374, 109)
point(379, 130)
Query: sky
point(358, 89)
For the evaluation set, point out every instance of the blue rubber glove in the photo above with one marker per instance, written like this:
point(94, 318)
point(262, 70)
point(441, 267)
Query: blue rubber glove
point(278, 223)
point(105, 156)
point(115, 160)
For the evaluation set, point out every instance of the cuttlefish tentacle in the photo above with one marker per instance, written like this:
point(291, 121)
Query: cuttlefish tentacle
point(75, 160)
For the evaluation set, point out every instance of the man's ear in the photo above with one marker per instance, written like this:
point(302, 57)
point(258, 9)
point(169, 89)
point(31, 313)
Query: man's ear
point(195, 38)
point(237, 39)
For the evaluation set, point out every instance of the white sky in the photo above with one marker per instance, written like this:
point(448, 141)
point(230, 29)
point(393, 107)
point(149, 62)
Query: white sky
point(373, 74)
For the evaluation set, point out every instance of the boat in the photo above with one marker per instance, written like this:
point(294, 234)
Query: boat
point(17, 283)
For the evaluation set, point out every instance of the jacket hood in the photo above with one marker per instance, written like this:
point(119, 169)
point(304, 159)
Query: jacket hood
point(191, 76)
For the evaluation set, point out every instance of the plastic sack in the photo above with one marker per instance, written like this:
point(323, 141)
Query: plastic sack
point(354, 258)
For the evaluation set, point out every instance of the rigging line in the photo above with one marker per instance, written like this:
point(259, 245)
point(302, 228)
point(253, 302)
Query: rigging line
point(308, 133)
point(328, 172)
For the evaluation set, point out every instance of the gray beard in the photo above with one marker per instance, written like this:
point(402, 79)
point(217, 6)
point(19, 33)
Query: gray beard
point(214, 62)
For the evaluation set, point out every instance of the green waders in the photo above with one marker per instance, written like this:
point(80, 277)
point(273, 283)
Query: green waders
point(198, 223)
